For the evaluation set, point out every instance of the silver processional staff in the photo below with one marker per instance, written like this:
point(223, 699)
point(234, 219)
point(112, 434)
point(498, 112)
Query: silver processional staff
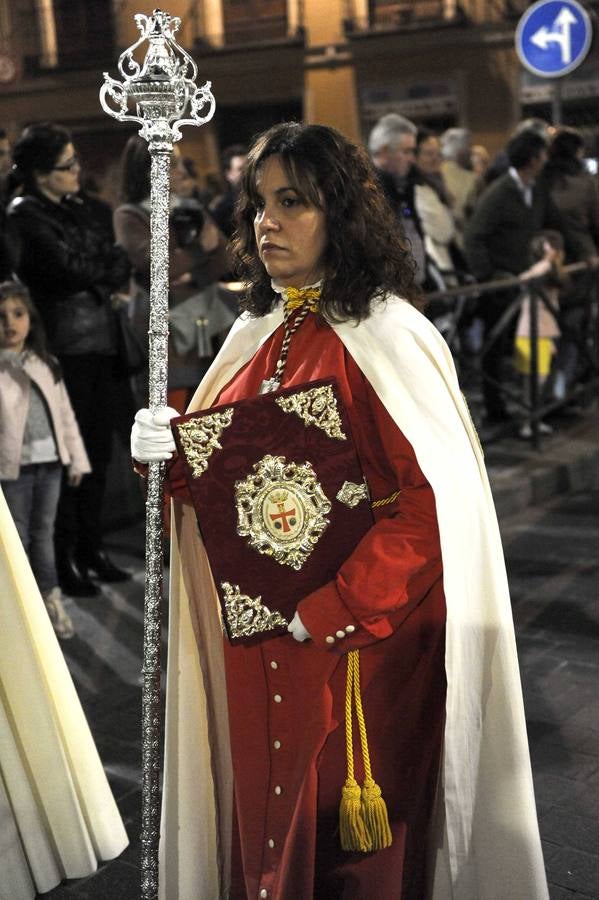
point(160, 95)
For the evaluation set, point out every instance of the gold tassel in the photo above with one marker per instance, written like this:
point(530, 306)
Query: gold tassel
point(363, 817)
point(352, 829)
point(374, 808)
point(376, 818)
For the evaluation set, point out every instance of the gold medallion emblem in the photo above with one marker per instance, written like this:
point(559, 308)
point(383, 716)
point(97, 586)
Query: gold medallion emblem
point(282, 509)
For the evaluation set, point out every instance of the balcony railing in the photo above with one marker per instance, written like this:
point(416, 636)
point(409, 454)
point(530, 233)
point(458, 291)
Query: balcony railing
point(397, 15)
point(391, 15)
point(245, 23)
point(250, 31)
point(406, 12)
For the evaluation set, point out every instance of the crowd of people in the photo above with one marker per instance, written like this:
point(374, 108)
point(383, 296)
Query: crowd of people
point(467, 218)
point(74, 275)
point(470, 218)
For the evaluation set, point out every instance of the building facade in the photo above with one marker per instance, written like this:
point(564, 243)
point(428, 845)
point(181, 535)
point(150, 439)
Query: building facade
point(338, 62)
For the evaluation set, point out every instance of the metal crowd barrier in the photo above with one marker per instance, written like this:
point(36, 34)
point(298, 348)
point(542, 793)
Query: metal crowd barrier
point(587, 341)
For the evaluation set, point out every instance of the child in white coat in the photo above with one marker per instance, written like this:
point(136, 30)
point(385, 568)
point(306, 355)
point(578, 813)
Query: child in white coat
point(38, 436)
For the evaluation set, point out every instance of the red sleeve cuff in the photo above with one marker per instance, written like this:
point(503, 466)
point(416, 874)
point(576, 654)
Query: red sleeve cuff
point(332, 626)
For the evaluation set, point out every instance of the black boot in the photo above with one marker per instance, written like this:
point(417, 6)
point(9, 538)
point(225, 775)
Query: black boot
point(96, 563)
point(71, 578)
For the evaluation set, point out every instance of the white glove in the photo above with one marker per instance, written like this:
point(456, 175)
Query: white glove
point(296, 627)
point(151, 436)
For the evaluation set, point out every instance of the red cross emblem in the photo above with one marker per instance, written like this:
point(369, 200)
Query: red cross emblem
point(283, 515)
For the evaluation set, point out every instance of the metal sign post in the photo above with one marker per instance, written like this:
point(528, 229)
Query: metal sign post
point(161, 96)
point(552, 39)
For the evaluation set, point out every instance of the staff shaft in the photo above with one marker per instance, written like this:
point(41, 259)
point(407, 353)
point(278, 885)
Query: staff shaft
point(151, 700)
point(161, 96)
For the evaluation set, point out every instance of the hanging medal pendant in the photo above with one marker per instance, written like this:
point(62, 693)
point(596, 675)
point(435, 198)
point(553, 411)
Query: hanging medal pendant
point(269, 385)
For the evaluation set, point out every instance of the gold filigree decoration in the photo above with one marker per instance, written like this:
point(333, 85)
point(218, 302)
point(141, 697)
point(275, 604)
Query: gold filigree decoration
point(200, 438)
point(282, 510)
point(351, 493)
point(316, 406)
point(247, 615)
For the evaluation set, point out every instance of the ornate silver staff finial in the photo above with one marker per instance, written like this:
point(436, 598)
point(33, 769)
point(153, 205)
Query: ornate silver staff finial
point(164, 95)
point(162, 89)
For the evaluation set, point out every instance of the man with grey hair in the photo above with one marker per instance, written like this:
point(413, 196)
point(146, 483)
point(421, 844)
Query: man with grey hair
point(392, 146)
point(458, 177)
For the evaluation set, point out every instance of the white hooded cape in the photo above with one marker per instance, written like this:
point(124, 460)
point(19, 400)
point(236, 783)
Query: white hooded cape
point(57, 813)
point(487, 844)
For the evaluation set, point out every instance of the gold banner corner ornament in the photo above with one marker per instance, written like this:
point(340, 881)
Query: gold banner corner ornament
point(200, 438)
point(316, 406)
point(247, 615)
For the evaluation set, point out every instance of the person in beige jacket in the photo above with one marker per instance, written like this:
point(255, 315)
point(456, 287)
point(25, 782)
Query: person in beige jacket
point(38, 436)
point(459, 179)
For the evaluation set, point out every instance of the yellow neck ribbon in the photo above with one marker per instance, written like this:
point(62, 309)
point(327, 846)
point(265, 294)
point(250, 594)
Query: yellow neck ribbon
point(296, 297)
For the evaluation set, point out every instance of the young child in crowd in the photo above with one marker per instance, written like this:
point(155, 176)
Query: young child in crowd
point(38, 436)
point(547, 253)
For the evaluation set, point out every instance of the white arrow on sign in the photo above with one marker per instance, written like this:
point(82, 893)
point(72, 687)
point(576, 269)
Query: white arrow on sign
point(560, 34)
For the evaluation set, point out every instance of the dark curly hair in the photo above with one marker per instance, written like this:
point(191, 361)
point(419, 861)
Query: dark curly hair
point(366, 255)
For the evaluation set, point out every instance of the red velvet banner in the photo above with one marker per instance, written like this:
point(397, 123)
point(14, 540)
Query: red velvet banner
point(279, 496)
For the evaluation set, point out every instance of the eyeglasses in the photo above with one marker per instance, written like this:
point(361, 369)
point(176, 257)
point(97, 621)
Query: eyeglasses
point(68, 166)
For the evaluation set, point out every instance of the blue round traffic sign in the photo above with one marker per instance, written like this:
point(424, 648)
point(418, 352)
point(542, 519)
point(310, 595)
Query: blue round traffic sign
point(553, 37)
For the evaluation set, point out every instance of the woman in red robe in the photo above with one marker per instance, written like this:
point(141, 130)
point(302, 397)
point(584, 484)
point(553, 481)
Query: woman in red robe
point(315, 235)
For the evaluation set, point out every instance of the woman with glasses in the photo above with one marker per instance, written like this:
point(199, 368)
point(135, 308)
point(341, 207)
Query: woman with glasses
point(71, 266)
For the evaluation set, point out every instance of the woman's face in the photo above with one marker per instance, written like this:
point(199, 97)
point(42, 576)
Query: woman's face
point(63, 178)
point(479, 159)
point(290, 232)
point(14, 324)
point(428, 156)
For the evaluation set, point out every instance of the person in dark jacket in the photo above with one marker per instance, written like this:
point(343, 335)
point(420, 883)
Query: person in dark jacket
point(392, 147)
point(72, 268)
point(497, 239)
point(223, 207)
point(197, 262)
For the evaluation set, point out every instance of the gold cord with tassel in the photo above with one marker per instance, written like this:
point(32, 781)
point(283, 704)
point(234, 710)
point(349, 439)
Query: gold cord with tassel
point(363, 818)
point(351, 820)
point(306, 300)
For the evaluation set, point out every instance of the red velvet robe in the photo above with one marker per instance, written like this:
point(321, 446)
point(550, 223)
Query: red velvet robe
point(286, 699)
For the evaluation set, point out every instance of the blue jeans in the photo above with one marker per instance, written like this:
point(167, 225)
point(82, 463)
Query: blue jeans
point(33, 500)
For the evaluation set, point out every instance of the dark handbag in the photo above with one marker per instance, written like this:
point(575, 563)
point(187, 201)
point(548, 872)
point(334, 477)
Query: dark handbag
point(132, 350)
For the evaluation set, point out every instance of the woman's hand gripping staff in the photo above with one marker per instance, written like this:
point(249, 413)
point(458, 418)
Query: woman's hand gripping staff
point(151, 436)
